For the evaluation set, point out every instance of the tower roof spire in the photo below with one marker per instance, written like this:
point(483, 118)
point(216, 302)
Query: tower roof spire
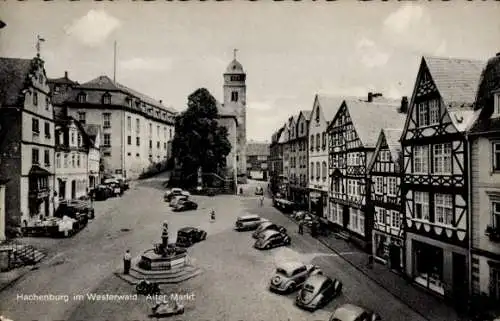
point(234, 53)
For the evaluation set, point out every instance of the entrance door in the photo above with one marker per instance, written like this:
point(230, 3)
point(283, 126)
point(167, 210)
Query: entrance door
point(395, 257)
point(460, 285)
point(62, 190)
point(46, 207)
point(73, 190)
point(346, 217)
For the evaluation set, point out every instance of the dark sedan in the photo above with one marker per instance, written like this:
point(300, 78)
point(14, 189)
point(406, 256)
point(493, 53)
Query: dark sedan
point(351, 312)
point(188, 236)
point(185, 205)
point(268, 226)
point(317, 291)
point(270, 239)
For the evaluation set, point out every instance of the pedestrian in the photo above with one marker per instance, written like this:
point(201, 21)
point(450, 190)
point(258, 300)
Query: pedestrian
point(261, 198)
point(127, 258)
point(370, 262)
point(301, 227)
point(212, 216)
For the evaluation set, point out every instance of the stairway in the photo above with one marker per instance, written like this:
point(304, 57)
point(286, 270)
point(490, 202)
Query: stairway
point(22, 255)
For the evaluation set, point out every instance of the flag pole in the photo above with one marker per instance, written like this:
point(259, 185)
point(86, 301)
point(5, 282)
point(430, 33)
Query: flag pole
point(114, 63)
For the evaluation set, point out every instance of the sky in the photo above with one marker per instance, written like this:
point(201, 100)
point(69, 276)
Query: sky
point(290, 50)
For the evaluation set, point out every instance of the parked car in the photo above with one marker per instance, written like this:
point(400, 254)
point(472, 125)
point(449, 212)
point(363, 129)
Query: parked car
point(175, 200)
point(289, 276)
point(188, 236)
point(259, 190)
point(248, 222)
point(185, 205)
point(114, 185)
point(72, 207)
point(102, 192)
point(270, 239)
point(317, 291)
point(169, 194)
point(351, 312)
point(267, 226)
point(123, 184)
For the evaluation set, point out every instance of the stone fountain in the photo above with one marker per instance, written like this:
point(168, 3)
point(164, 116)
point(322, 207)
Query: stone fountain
point(164, 264)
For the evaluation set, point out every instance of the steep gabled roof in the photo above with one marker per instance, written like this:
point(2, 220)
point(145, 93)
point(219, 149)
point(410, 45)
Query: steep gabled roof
point(258, 149)
point(488, 86)
point(456, 79)
point(391, 137)
point(369, 118)
point(306, 113)
point(105, 83)
point(13, 77)
point(330, 105)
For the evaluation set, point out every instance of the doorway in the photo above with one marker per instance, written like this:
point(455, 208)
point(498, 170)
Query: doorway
point(346, 217)
point(46, 207)
point(395, 254)
point(73, 190)
point(460, 282)
point(62, 190)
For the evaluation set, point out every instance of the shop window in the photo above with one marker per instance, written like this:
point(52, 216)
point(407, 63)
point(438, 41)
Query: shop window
point(429, 266)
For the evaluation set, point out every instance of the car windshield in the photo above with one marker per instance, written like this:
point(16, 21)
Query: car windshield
point(308, 288)
point(281, 271)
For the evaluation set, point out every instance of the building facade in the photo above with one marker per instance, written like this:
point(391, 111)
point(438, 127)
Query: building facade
point(286, 142)
point(26, 141)
point(93, 132)
point(435, 185)
point(72, 151)
point(258, 160)
point(136, 129)
point(233, 111)
point(324, 108)
point(353, 135)
point(385, 176)
point(299, 141)
point(484, 142)
point(276, 161)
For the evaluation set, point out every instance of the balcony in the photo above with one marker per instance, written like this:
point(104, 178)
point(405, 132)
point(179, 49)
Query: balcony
point(493, 232)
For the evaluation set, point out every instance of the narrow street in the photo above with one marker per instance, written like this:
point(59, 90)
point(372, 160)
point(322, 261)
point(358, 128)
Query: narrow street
point(233, 285)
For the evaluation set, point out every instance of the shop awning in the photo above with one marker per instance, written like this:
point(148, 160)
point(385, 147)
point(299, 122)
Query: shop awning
point(38, 171)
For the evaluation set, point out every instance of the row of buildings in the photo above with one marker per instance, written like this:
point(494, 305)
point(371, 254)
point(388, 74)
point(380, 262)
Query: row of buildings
point(414, 181)
point(59, 138)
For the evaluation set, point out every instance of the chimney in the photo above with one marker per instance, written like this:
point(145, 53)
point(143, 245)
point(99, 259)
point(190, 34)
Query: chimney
point(66, 74)
point(370, 97)
point(404, 105)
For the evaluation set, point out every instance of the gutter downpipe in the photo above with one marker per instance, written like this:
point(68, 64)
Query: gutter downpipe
point(469, 210)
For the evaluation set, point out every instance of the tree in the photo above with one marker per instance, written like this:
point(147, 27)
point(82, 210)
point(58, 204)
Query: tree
point(199, 141)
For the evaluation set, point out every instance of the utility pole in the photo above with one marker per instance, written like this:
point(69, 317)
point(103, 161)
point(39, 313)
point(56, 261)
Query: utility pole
point(114, 63)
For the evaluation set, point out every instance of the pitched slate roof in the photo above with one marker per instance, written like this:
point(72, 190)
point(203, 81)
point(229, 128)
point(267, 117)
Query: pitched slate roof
point(307, 114)
point(62, 80)
point(13, 77)
point(456, 79)
point(105, 83)
point(369, 118)
point(330, 105)
point(258, 149)
point(489, 84)
point(392, 138)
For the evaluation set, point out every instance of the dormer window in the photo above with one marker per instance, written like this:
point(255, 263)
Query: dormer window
point(106, 99)
point(138, 104)
point(82, 98)
point(496, 104)
point(128, 101)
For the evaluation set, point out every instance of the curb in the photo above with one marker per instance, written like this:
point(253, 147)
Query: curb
point(12, 282)
point(366, 274)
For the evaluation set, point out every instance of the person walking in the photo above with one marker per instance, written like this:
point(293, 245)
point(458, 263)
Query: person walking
point(212, 216)
point(261, 198)
point(127, 258)
point(301, 227)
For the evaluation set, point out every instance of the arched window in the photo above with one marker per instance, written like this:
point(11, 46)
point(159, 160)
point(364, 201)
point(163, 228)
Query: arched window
point(324, 169)
point(312, 171)
point(106, 99)
point(317, 114)
point(318, 143)
point(312, 143)
point(82, 97)
point(234, 96)
point(318, 171)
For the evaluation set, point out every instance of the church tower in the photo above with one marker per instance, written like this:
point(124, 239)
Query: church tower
point(235, 91)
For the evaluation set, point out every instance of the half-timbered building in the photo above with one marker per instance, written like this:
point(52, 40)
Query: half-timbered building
point(435, 174)
point(353, 135)
point(275, 160)
point(385, 175)
point(484, 140)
